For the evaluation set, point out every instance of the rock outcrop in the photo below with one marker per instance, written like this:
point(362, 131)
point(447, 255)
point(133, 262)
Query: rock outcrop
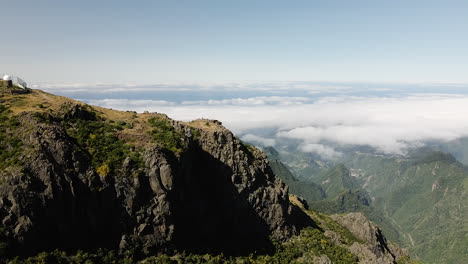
point(375, 249)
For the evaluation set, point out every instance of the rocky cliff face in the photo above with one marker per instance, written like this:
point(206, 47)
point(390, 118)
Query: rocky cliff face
point(361, 237)
point(215, 194)
point(376, 248)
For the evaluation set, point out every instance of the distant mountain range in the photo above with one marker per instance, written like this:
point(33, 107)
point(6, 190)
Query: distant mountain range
point(419, 200)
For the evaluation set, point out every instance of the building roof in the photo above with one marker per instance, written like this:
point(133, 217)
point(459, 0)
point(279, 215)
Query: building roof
point(16, 80)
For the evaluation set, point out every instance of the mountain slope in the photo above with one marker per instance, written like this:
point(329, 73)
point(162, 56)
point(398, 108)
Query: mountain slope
point(458, 148)
point(343, 195)
point(425, 195)
point(308, 190)
point(335, 181)
point(419, 200)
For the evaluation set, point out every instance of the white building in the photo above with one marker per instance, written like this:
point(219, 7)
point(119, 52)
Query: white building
point(16, 81)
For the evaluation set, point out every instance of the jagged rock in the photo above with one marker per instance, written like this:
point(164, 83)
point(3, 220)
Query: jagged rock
point(73, 110)
point(375, 249)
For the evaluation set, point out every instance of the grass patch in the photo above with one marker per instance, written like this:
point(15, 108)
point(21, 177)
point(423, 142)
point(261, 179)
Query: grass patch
point(300, 249)
point(98, 137)
point(10, 144)
point(165, 135)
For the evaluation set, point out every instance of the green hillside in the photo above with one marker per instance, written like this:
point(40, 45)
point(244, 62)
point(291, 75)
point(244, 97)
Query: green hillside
point(457, 147)
point(332, 191)
point(335, 181)
point(425, 195)
point(308, 190)
point(419, 200)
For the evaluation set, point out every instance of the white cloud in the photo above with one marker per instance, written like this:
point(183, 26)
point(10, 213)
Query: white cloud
point(322, 150)
point(265, 142)
point(274, 87)
point(259, 100)
point(125, 104)
point(389, 124)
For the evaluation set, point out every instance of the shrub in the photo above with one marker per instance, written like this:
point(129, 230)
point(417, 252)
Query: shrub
point(166, 135)
point(10, 144)
point(103, 170)
point(300, 249)
point(99, 139)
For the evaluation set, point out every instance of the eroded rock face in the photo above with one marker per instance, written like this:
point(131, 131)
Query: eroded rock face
point(375, 249)
point(57, 199)
point(214, 196)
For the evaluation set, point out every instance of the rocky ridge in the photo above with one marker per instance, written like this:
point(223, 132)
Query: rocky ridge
point(356, 233)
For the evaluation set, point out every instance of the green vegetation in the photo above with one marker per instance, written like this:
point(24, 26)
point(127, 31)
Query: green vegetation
point(426, 198)
point(99, 139)
point(457, 147)
point(310, 244)
point(342, 195)
point(328, 223)
point(314, 241)
point(357, 201)
point(166, 135)
point(307, 190)
point(195, 133)
point(10, 145)
point(41, 106)
point(335, 181)
point(419, 201)
point(248, 147)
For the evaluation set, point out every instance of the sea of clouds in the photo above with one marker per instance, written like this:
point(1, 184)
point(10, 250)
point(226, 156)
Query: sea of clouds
point(389, 118)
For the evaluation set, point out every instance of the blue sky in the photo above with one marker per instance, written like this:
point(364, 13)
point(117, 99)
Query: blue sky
point(388, 74)
point(226, 41)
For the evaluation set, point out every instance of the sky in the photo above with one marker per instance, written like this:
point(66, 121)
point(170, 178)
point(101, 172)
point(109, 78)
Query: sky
point(392, 75)
point(216, 41)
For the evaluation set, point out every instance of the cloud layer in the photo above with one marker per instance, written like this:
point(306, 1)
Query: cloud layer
point(263, 88)
point(389, 117)
point(322, 150)
point(265, 142)
point(389, 124)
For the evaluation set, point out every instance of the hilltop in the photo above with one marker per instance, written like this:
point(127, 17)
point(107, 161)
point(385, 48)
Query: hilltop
point(87, 183)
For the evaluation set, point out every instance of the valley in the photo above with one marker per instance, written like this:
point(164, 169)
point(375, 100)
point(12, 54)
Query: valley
point(420, 200)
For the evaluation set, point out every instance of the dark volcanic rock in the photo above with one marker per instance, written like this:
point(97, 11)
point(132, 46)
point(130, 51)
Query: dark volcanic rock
point(215, 196)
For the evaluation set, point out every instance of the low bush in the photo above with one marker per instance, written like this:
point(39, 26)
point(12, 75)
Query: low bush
point(99, 139)
point(300, 249)
point(10, 144)
point(166, 135)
